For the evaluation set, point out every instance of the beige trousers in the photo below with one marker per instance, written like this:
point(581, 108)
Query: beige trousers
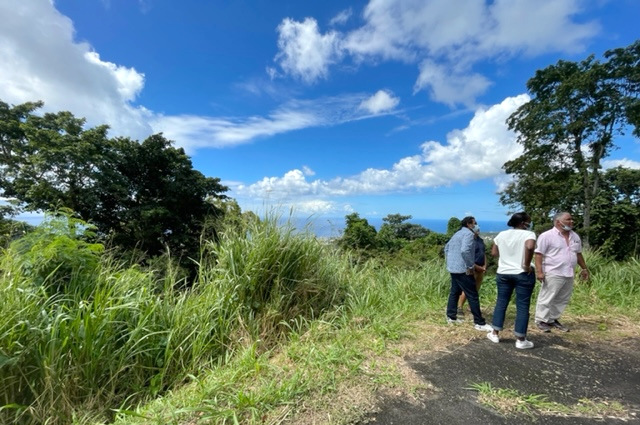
point(553, 298)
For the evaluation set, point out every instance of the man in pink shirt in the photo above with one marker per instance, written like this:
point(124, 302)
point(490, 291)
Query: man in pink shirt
point(556, 255)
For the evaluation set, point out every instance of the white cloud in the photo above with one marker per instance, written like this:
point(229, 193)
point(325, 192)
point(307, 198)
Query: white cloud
point(129, 81)
point(341, 18)
point(450, 88)
point(382, 101)
point(517, 27)
point(625, 163)
point(455, 34)
point(41, 60)
point(304, 52)
point(193, 132)
point(475, 152)
point(316, 206)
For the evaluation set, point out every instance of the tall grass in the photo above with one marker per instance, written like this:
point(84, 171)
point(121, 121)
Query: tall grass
point(613, 287)
point(275, 274)
point(112, 337)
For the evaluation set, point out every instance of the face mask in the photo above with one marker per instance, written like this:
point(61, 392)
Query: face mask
point(476, 229)
point(567, 228)
point(530, 227)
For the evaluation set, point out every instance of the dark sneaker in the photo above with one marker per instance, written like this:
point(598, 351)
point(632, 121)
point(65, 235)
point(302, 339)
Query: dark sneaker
point(544, 326)
point(559, 326)
point(460, 312)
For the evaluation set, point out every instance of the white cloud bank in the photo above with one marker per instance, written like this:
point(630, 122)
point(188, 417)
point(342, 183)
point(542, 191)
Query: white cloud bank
point(475, 152)
point(455, 34)
point(39, 60)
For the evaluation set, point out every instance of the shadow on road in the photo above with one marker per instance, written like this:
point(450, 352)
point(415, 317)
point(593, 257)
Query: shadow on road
point(565, 371)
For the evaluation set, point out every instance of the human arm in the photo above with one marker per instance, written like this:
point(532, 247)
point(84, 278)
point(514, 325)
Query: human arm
point(529, 246)
point(482, 268)
point(539, 271)
point(584, 273)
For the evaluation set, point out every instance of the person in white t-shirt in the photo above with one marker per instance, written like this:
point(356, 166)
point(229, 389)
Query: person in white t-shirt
point(514, 249)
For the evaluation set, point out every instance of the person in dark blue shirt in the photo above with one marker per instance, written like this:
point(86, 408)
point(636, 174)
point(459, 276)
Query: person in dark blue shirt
point(479, 269)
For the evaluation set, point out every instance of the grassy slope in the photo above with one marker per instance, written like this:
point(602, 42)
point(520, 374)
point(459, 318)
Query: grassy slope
point(279, 329)
point(332, 371)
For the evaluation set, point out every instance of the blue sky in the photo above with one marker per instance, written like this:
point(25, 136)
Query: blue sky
point(377, 107)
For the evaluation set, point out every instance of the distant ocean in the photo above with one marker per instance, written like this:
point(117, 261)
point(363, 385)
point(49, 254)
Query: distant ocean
point(333, 227)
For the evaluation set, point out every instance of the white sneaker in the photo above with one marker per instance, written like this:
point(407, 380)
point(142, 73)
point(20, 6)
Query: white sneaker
point(486, 327)
point(524, 344)
point(493, 337)
point(454, 321)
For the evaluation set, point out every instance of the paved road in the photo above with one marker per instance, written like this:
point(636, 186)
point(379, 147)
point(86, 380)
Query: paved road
point(565, 371)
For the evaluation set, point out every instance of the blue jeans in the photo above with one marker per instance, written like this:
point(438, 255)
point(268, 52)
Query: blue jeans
point(461, 282)
point(523, 284)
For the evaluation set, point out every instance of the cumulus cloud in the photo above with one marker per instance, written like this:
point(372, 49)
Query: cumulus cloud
point(456, 34)
point(382, 101)
point(41, 60)
point(304, 52)
point(475, 152)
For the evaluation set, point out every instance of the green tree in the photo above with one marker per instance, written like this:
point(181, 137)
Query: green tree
point(453, 225)
point(49, 161)
point(566, 129)
point(616, 214)
point(152, 198)
point(395, 232)
point(145, 195)
point(358, 233)
point(401, 229)
point(624, 67)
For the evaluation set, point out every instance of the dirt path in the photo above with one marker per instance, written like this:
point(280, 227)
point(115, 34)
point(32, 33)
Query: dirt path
point(588, 376)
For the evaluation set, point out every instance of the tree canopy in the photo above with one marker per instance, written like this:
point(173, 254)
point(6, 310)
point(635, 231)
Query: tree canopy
point(145, 195)
point(576, 111)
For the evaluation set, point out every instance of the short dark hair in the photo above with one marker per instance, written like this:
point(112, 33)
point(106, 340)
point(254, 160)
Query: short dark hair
point(465, 221)
point(518, 218)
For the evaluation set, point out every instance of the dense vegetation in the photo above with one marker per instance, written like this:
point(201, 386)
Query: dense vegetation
point(84, 336)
